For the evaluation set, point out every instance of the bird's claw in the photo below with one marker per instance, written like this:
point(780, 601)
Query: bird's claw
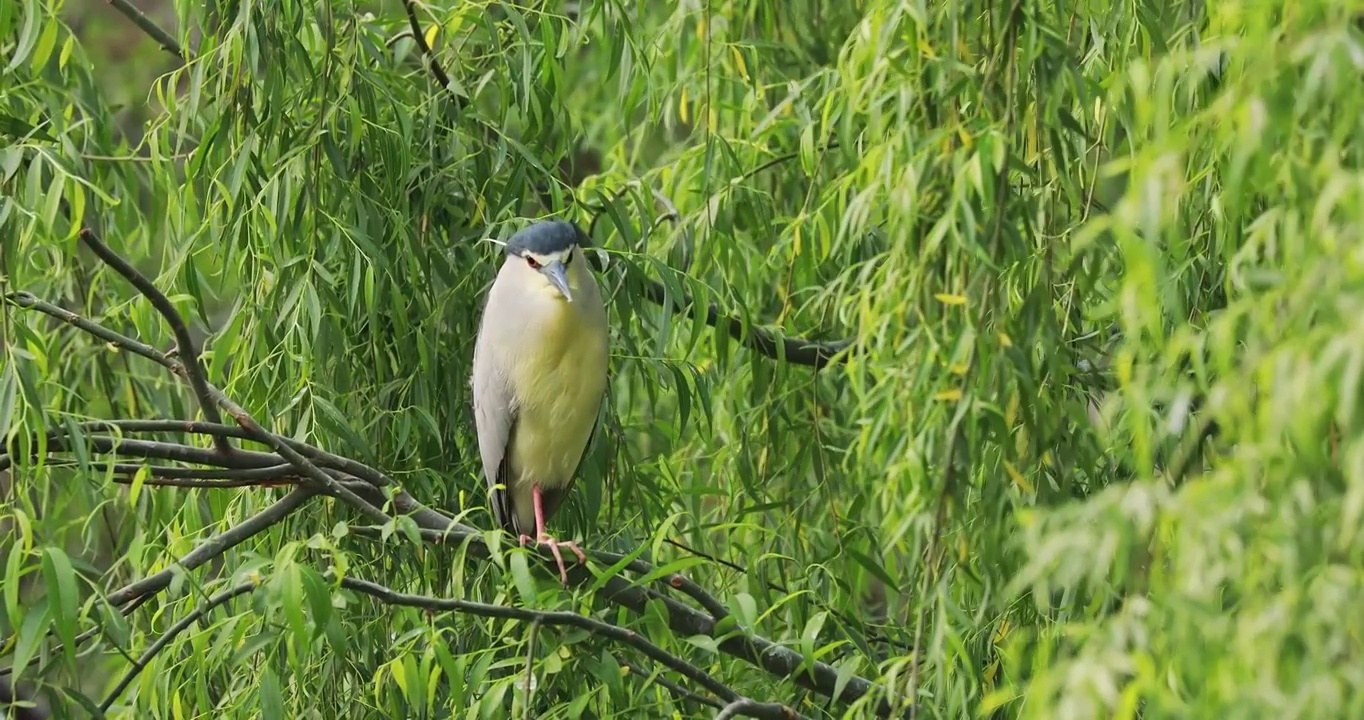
point(554, 545)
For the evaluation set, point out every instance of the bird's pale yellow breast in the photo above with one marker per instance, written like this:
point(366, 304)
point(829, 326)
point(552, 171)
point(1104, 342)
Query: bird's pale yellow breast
point(564, 377)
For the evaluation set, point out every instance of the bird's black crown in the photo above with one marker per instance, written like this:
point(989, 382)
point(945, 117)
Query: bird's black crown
point(546, 238)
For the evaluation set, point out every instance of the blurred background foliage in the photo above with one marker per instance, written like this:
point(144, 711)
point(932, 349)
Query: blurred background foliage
point(1096, 449)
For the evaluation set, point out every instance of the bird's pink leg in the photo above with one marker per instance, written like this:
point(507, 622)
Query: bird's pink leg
point(544, 538)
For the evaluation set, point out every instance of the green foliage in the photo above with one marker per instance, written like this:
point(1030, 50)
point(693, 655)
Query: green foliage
point(1094, 448)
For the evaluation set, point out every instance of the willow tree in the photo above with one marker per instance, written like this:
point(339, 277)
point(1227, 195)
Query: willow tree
point(981, 359)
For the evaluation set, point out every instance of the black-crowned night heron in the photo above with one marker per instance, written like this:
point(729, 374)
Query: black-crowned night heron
point(539, 378)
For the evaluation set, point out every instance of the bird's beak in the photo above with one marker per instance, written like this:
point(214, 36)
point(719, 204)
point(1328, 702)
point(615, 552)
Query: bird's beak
point(558, 274)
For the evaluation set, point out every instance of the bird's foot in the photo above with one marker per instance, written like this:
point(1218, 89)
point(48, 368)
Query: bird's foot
point(554, 545)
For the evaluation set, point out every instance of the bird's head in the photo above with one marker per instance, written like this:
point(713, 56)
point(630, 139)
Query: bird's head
point(548, 249)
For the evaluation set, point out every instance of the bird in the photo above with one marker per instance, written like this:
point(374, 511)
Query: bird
point(539, 378)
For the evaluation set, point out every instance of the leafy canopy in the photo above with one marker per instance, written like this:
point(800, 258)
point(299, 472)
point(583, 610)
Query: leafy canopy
point(1095, 448)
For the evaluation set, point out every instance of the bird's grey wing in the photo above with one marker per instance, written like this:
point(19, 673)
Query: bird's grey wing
point(495, 419)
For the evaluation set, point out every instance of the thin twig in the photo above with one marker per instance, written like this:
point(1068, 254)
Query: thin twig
point(170, 634)
point(676, 690)
point(189, 354)
point(530, 666)
point(870, 634)
point(546, 617)
point(304, 466)
point(123, 342)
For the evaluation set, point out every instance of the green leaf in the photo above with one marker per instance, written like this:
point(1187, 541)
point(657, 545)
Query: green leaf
point(42, 50)
point(60, 581)
point(745, 608)
point(19, 130)
point(28, 35)
point(37, 620)
point(872, 567)
point(271, 696)
point(525, 584)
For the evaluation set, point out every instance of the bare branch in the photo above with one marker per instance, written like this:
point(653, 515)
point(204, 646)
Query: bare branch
point(304, 466)
point(123, 342)
point(159, 450)
point(186, 477)
point(161, 642)
point(420, 38)
point(192, 367)
point(152, 30)
point(320, 457)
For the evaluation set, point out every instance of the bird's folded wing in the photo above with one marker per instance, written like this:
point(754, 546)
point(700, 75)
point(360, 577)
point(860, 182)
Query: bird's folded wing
point(495, 419)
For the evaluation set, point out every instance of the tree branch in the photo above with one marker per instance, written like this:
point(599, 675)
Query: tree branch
point(213, 395)
point(191, 365)
point(744, 707)
point(154, 31)
point(435, 527)
point(797, 351)
point(559, 618)
point(215, 546)
point(161, 642)
point(438, 529)
point(817, 355)
point(676, 690)
point(432, 64)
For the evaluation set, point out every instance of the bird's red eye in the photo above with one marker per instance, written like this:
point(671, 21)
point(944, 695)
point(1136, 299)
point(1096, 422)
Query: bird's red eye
point(532, 263)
